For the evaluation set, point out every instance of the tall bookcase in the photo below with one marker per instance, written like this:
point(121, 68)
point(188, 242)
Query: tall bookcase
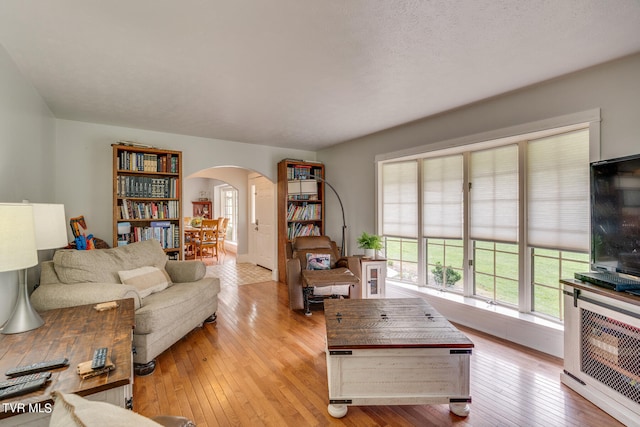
point(300, 204)
point(147, 191)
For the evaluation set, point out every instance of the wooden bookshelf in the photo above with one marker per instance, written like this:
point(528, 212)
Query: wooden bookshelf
point(300, 204)
point(147, 193)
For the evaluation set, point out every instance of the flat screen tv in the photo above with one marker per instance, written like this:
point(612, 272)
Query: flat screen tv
point(615, 215)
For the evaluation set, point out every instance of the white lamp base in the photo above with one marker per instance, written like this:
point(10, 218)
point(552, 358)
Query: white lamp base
point(24, 317)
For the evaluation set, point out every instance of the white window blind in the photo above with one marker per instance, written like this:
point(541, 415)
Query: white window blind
point(400, 199)
point(558, 191)
point(494, 194)
point(442, 186)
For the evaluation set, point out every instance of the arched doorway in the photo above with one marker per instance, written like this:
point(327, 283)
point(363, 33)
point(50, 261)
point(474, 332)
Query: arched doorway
point(255, 209)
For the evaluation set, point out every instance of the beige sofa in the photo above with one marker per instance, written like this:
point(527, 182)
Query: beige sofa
point(170, 300)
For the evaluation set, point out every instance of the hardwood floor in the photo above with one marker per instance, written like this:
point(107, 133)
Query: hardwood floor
point(264, 365)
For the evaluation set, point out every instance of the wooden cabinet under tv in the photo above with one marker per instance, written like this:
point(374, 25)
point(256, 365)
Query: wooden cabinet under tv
point(300, 204)
point(147, 189)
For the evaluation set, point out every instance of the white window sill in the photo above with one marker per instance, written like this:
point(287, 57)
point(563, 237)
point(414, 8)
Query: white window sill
point(522, 328)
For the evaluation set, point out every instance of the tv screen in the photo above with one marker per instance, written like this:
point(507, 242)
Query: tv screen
point(615, 215)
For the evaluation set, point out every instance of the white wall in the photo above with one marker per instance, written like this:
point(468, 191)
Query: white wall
point(27, 138)
point(27, 143)
point(613, 87)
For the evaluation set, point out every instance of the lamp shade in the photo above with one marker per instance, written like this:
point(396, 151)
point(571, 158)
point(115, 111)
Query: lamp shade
point(50, 226)
point(17, 237)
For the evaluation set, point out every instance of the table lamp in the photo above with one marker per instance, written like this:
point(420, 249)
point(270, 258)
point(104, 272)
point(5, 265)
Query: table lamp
point(18, 252)
point(50, 226)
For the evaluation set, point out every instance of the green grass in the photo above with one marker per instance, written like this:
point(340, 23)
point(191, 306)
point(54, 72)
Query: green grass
point(496, 270)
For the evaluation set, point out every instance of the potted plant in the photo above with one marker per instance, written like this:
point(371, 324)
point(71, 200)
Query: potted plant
point(447, 276)
point(370, 243)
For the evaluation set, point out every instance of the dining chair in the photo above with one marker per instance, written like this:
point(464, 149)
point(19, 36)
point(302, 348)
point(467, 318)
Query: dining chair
point(222, 234)
point(208, 241)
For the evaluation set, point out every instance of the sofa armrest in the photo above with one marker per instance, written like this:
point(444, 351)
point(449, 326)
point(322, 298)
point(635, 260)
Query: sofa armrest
point(48, 273)
point(60, 295)
point(185, 271)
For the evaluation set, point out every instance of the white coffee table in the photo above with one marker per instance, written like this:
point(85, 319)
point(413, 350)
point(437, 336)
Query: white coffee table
point(394, 352)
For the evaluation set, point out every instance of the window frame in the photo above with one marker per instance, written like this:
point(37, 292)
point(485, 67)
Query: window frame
point(520, 134)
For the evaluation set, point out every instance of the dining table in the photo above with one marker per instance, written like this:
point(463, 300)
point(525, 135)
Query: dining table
point(191, 239)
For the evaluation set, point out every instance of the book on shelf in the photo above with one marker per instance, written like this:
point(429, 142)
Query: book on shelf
point(147, 162)
point(130, 209)
point(296, 172)
point(304, 212)
point(298, 229)
point(148, 187)
point(165, 235)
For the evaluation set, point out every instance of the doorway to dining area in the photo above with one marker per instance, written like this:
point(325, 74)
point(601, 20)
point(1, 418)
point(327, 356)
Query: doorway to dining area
point(247, 199)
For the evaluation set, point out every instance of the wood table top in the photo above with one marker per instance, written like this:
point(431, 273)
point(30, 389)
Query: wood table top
point(389, 323)
point(74, 333)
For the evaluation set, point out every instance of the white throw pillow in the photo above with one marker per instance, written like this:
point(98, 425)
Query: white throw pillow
point(146, 280)
point(71, 410)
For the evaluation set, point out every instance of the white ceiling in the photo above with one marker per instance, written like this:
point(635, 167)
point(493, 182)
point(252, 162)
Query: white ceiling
point(299, 73)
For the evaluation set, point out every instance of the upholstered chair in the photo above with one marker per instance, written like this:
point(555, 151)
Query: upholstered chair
point(315, 271)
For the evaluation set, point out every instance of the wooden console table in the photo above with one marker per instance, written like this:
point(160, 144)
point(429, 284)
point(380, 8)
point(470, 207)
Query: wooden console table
point(394, 352)
point(74, 333)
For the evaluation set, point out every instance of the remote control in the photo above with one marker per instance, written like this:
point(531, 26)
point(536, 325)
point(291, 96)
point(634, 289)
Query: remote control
point(37, 367)
point(24, 388)
point(99, 358)
point(24, 379)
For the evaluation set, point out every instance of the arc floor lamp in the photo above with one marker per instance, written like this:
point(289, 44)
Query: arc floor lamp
point(343, 249)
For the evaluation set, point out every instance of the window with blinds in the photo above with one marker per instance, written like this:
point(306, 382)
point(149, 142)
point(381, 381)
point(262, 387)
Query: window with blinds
point(442, 189)
point(498, 213)
point(494, 197)
point(400, 199)
point(558, 191)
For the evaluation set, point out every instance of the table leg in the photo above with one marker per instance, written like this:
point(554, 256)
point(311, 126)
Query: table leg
point(337, 411)
point(460, 409)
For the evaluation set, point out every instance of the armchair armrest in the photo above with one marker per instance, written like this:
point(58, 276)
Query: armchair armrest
point(352, 263)
point(185, 271)
point(294, 283)
point(60, 295)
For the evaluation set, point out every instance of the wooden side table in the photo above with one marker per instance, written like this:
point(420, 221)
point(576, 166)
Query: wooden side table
point(374, 276)
point(74, 333)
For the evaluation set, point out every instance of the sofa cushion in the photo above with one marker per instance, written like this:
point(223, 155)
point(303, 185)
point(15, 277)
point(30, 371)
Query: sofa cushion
point(146, 280)
point(103, 265)
point(160, 310)
point(71, 410)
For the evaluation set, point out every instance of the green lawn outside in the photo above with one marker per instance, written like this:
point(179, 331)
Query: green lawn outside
point(496, 270)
